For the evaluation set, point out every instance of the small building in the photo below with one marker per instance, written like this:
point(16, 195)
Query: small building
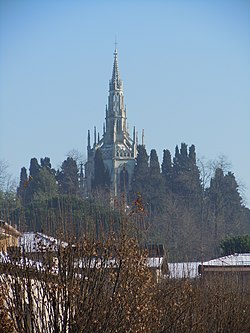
point(233, 268)
point(8, 236)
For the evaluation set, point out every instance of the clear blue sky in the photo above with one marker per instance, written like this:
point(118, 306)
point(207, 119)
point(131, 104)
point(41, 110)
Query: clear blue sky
point(185, 67)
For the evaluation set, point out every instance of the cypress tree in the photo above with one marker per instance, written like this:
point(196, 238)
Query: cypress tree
point(186, 176)
point(32, 184)
point(34, 168)
point(181, 169)
point(195, 181)
point(45, 162)
point(23, 183)
point(177, 152)
point(192, 154)
point(154, 166)
point(141, 174)
point(226, 212)
point(41, 183)
point(156, 191)
point(101, 175)
point(68, 177)
point(23, 177)
point(167, 169)
point(216, 203)
point(47, 185)
point(183, 151)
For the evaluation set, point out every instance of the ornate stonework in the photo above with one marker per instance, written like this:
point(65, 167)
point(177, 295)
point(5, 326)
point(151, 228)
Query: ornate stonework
point(118, 148)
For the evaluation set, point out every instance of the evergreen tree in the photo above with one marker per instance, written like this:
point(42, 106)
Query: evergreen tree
point(192, 154)
point(183, 152)
point(154, 166)
point(23, 178)
point(226, 212)
point(23, 183)
point(47, 178)
point(216, 204)
point(141, 174)
point(195, 181)
point(235, 244)
point(233, 201)
point(167, 169)
point(177, 152)
point(45, 162)
point(101, 179)
point(32, 186)
point(187, 197)
point(156, 191)
point(186, 176)
point(68, 177)
point(46, 184)
point(41, 182)
point(99, 170)
point(179, 167)
point(34, 168)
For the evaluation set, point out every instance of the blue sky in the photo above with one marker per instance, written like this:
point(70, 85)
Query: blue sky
point(185, 67)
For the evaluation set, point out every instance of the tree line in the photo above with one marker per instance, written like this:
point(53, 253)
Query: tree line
point(189, 214)
point(177, 206)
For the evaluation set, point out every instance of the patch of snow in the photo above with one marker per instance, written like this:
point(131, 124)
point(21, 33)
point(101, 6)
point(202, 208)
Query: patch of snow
point(183, 270)
point(154, 262)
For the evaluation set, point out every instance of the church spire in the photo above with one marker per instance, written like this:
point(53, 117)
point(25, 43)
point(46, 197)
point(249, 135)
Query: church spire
point(115, 83)
point(118, 149)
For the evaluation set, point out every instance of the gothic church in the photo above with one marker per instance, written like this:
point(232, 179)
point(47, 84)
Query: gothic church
point(118, 149)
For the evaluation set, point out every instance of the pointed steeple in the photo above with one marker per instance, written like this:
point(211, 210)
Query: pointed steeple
point(115, 83)
point(118, 148)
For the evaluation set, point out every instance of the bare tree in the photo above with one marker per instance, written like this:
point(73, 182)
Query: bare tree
point(102, 286)
point(77, 156)
point(3, 174)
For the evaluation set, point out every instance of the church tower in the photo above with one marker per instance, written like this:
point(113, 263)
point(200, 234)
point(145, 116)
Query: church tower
point(118, 148)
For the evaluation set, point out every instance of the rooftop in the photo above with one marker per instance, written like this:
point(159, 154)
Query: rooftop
point(237, 259)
